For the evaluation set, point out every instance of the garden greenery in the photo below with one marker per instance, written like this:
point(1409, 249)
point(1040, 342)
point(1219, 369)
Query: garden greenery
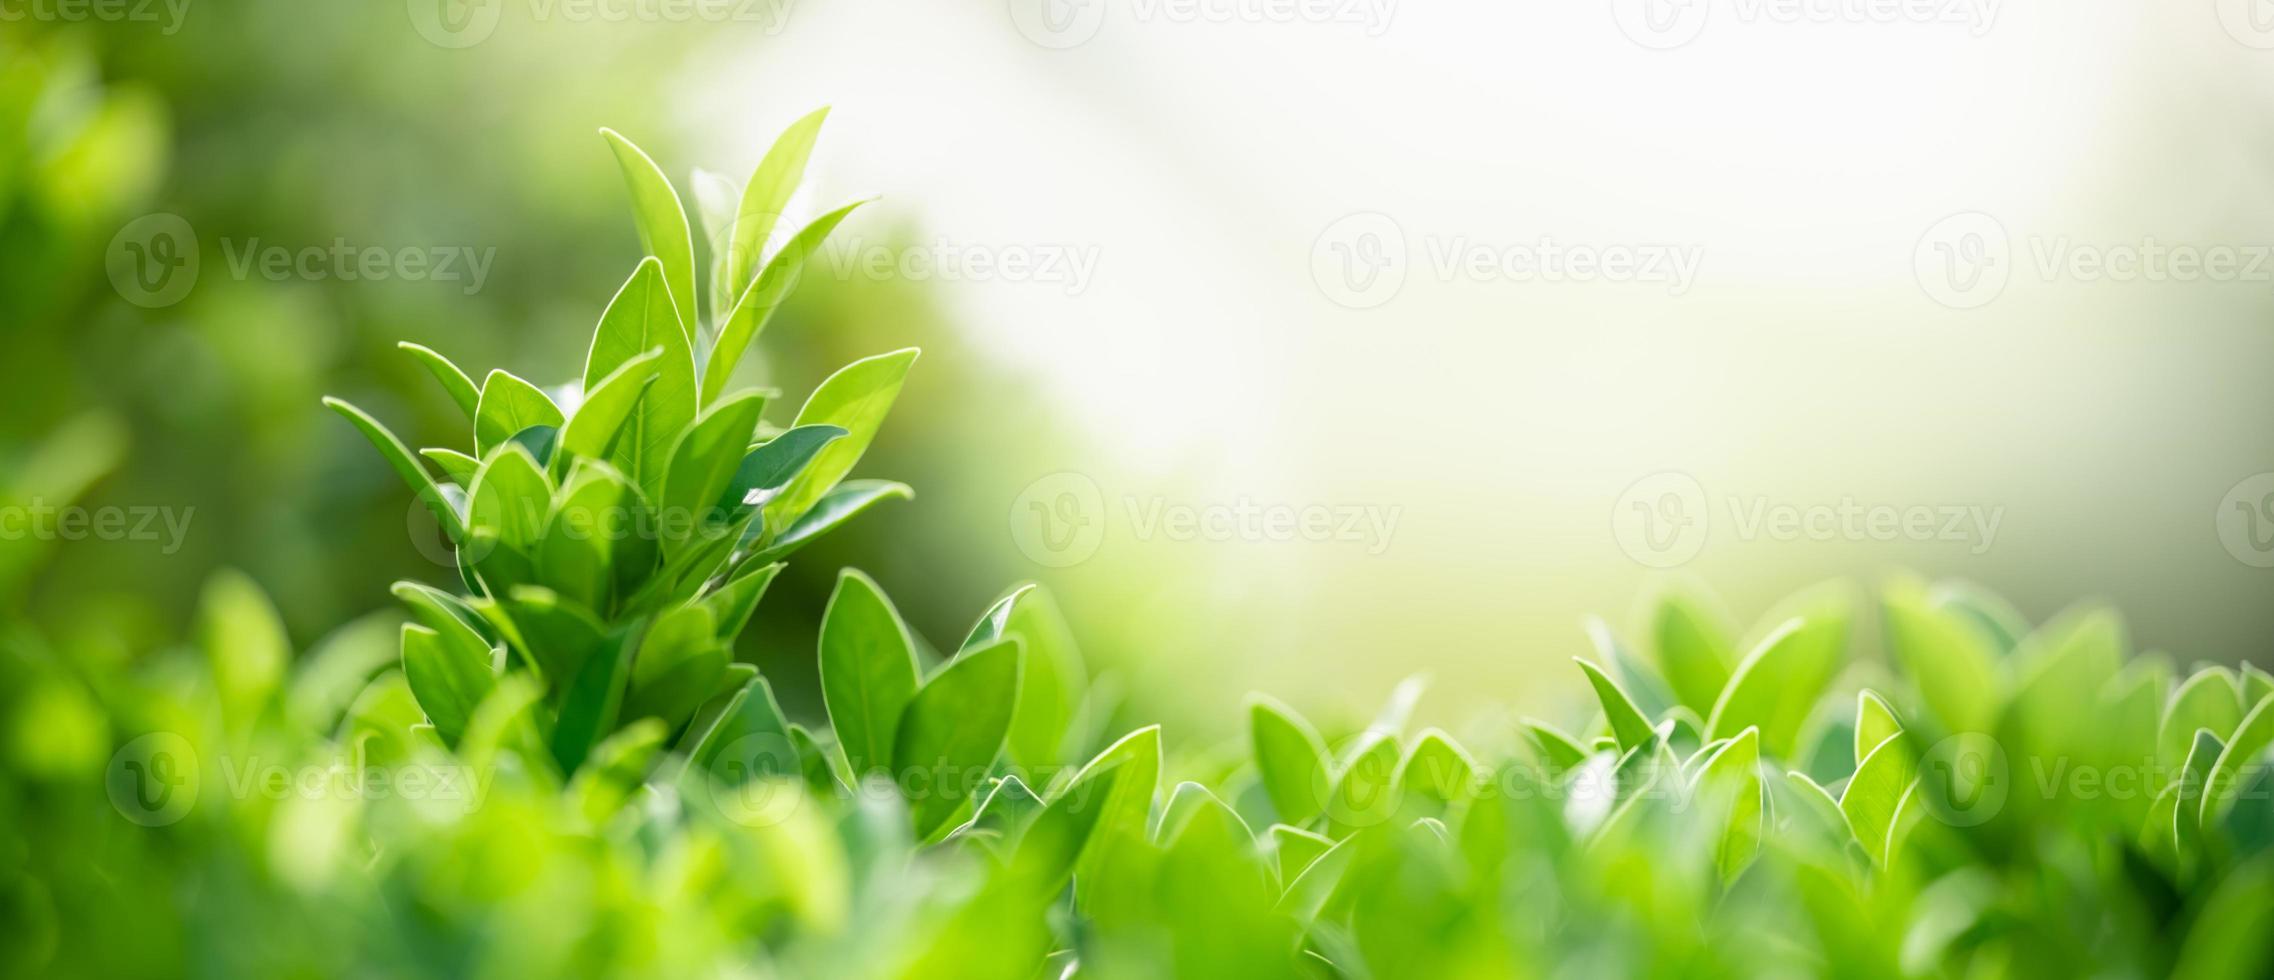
point(557, 767)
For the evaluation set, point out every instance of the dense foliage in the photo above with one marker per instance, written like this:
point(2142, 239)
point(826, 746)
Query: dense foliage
point(557, 767)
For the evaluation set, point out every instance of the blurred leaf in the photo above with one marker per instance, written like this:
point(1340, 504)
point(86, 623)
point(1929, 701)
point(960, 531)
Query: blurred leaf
point(1051, 677)
point(1290, 759)
point(1946, 658)
point(1627, 721)
point(2211, 699)
point(954, 726)
point(1776, 686)
point(449, 677)
point(1694, 650)
point(244, 643)
point(1875, 723)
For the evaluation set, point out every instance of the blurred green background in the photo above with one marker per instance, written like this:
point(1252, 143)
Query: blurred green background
point(1204, 361)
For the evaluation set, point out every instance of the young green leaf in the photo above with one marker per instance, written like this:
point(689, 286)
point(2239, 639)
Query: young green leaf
point(1776, 686)
point(1290, 759)
point(855, 399)
point(1875, 723)
point(1556, 747)
point(1881, 781)
point(702, 463)
point(1437, 769)
point(868, 671)
point(1366, 789)
point(590, 521)
point(767, 194)
point(1946, 657)
point(732, 603)
point(592, 701)
point(1627, 722)
point(458, 466)
point(405, 465)
point(662, 224)
point(769, 467)
point(449, 677)
point(641, 319)
point(454, 382)
point(954, 726)
point(2226, 777)
point(1051, 676)
point(836, 507)
point(1693, 650)
point(678, 667)
point(591, 432)
point(2211, 699)
point(751, 739)
point(757, 302)
point(1296, 848)
point(244, 643)
point(508, 406)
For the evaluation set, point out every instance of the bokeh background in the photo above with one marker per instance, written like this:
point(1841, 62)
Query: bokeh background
point(1193, 258)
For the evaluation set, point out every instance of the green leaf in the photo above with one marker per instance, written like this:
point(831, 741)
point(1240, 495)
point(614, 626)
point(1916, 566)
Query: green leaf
point(2186, 816)
point(454, 382)
point(1875, 791)
point(1693, 650)
point(615, 768)
point(406, 466)
point(766, 195)
point(1627, 721)
point(1051, 677)
point(2004, 626)
point(507, 511)
point(855, 399)
point(244, 643)
point(1290, 760)
point(448, 676)
point(1557, 748)
point(868, 671)
point(1734, 772)
point(608, 404)
point(954, 726)
point(678, 667)
point(1437, 768)
point(505, 724)
point(756, 303)
point(1296, 848)
point(769, 467)
point(2228, 940)
point(458, 466)
point(553, 634)
point(1062, 834)
point(732, 603)
point(640, 319)
point(702, 463)
point(1875, 723)
point(1946, 657)
point(593, 701)
point(2226, 779)
point(1127, 774)
point(662, 224)
point(1808, 805)
point(1366, 789)
point(751, 740)
point(2211, 699)
point(591, 524)
point(509, 405)
point(839, 505)
point(1776, 686)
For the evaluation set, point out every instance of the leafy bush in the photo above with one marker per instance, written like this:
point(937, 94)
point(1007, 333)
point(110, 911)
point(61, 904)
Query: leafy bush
point(562, 772)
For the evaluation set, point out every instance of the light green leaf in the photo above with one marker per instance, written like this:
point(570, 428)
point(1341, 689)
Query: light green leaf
point(509, 405)
point(766, 469)
point(1693, 648)
point(836, 507)
point(702, 463)
point(1437, 768)
point(1366, 789)
point(1134, 765)
point(456, 465)
point(662, 224)
point(592, 519)
point(608, 404)
point(2226, 778)
point(1296, 848)
point(592, 701)
point(766, 194)
point(244, 643)
point(1556, 747)
point(2211, 699)
point(757, 302)
point(751, 740)
point(1946, 657)
point(1627, 722)
point(2228, 938)
point(1734, 773)
point(855, 399)
point(641, 319)
point(954, 726)
point(2004, 626)
point(454, 382)
point(407, 466)
point(1875, 723)
point(449, 677)
point(1290, 759)
point(1875, 791)
point(678, 666)
point(1051, 677)
point(732, 603)
point(1776, 686)
point(868, 671)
